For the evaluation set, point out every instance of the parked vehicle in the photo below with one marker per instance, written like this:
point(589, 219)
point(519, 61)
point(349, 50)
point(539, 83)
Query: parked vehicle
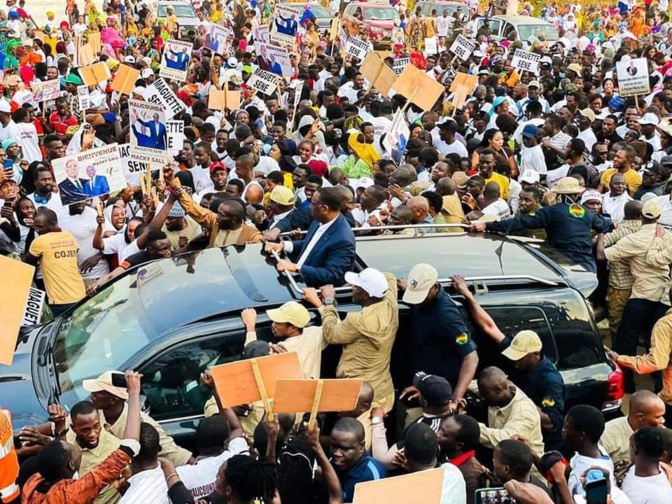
point(187, 19)
point(427, 6)
point(378, 18)
point(173, 318)
point(524, 26)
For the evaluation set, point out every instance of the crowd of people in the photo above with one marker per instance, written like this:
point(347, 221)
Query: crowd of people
point(557, 154)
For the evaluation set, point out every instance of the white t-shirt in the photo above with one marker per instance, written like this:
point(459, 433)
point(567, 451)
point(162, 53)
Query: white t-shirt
point(200, 477)
point(443, 25)
point(647, 490)
point(454, 488)
point(116, 244)
point(83, 227)
point(266, 165)
point(589, 138)
point(580, 464)
point(553, 176)
point(10, 131)
point(613, 206)
point(28, 140)
point(79, 29)
point(666, 211)
point(532, 158)
point(54, 202)
point(147, 486)
point(201, 178)
point(499, 209)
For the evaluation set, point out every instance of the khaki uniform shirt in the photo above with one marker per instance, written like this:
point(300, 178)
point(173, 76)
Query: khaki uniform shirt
point(177, 455)
point(616, 439)
point(649, 279)
point(619, 271)
point(367, 337)
point(91, 457)
point(658, 357)
point(520, 416)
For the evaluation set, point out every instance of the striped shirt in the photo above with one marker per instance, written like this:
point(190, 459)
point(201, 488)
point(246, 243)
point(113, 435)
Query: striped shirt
point(147, 486)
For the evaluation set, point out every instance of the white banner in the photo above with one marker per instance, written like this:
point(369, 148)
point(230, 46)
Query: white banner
point(161, 94)
point(83, 97)
point(526, 61)
point(397, 137)
point(47, 90)
point(633, 77)
point(357, 47)
point(462, 47)
point(263, 81)
point(399, 65)
point(32, 314)
point(175, 130)
point(148, 127)
point(134, 163)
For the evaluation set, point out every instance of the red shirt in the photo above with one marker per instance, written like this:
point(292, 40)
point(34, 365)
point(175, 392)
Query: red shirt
point(61, 125)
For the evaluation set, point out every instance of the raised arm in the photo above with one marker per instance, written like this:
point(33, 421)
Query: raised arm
point(478, 314)
point(330, 478)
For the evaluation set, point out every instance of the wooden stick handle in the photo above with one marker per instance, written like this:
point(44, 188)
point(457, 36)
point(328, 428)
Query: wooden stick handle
point(262, 389)
point(312, 422)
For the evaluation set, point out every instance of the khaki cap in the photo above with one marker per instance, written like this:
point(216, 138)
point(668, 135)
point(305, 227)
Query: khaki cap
point(290, 313)
point(420, 280)
point(524, 343)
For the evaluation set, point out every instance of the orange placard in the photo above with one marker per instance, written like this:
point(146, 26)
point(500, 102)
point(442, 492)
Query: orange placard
point(381, 76)
point(463, 79)
point(418, 87)
point(39, 34)
point(94, 42)
point(85, 55)
point(93, 74)
point(460, 96)
point(124, 79)
point(17, 278)
point(296, 396)
point(236, 384)
point(220, 99)
point(422, 487)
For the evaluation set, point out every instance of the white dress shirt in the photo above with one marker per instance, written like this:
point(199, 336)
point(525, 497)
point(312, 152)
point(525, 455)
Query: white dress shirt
point(322, 228)
point(147, 486)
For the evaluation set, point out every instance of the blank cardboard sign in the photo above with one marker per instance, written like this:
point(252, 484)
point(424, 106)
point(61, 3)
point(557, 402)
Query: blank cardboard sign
point(463, 79)
point(17, 278)
point(235, 382)
point(418, 87)
point(379, 75)
point(422, 487)
point(296, 396)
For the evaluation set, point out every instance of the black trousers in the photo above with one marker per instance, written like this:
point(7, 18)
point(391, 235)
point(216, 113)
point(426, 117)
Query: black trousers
point(639, 317)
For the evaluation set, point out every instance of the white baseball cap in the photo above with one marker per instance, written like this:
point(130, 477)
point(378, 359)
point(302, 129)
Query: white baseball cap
point(530, 177)
point(420, 280)
point(370, 280)
point(5, 106)
point(649, 118)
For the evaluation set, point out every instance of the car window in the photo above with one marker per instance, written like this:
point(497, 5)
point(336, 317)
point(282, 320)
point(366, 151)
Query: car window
point(495, 25)
point(180, 10)
point(380, 13)
point(513, 319)
point(508, 28)
point(545, 31)
point(171, 383)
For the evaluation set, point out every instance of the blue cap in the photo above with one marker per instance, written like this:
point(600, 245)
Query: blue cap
point(617, 103)
point(530, 131)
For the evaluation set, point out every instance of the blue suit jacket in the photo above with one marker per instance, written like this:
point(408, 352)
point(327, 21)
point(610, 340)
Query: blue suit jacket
point(70, 193)
point(155, 141)
point(97, 187)
point(331, 257)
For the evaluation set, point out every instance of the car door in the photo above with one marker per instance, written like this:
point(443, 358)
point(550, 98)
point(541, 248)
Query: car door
point(496, 28)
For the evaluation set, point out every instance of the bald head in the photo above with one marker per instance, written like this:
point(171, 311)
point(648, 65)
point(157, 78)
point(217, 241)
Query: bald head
point(646, 410)
point(493, 385)
point(446, 186)
point(419, 208)
point(491, 191)
point(633, 210)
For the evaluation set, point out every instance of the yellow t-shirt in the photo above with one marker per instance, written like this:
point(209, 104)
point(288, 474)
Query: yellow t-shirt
point(502, 182)
point(57, 253)
point(632, 179)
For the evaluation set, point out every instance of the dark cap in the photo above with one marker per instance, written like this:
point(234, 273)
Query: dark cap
point(666, 161)
point(256, 349)
point(434, 389)
point(652, 167)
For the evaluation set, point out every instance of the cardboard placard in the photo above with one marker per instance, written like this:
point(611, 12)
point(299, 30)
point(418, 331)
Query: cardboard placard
point(526, 61)
point(124, 79)
point(159, 92)
point(220, 99)
point(463, 79)
point(633, 77)
point(460, 96)
point(357, 47)
point(422, 487)
point(93, 74)
point(85, 55)
point(418, 87)
point(297, 396)
point(381, 76)
point(32, 315)
point(175, 60)
point(236, 383)
point(462, 47)
point(431, 46)
point(175, 130)
point(46, 90)
point(17, 277)
point(95, 43)
point(83, 97)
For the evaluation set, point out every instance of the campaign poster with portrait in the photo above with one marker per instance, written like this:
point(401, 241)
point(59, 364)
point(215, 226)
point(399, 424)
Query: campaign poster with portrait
point(633, 77)
point(89, 174)
point(135, 163)
point(273, 59)
point(47, 90)
point(148, 127)
point(175, 60)
point(285, 26)
point(219, 38)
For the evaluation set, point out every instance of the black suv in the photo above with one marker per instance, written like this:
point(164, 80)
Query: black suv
point(173, 318)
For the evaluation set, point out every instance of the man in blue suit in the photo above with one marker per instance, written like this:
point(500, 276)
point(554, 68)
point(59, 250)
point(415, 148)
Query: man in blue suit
point(72, 188)
point(157, 134)
point(179, 61)
point(97, 184)
point(328, 250)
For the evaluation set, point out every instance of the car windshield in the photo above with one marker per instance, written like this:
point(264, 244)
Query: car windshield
point(316, 9)
point(380, 13)
point(527, 31)
point(100, 335)
point(180, 10)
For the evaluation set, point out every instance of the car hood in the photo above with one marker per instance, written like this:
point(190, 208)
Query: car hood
point(386, 24)
point(17, 389)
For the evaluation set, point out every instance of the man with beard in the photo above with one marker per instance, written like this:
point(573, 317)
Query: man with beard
point(44, 186)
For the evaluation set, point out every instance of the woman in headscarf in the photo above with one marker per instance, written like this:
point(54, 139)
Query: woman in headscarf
point(282, 154)
point(13, 151)
point(111, 36)
point(363, 149)
point(79, 142)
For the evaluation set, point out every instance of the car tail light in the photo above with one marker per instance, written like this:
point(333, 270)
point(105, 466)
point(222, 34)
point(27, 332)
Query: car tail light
point(615, 390)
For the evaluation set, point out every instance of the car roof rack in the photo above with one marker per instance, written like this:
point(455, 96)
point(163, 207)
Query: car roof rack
point(401, 226)
point(444, 281)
